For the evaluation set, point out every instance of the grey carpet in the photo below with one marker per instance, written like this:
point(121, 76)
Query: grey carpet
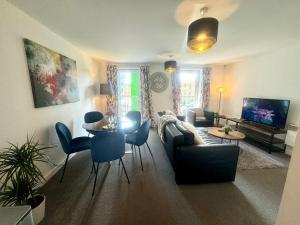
point(154, 198)
point(252, 157)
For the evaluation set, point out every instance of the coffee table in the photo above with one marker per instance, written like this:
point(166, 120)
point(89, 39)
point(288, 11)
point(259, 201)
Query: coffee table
point(233, 135)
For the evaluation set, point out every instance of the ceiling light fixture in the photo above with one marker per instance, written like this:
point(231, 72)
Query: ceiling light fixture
point(170, 66)
point(202, 33)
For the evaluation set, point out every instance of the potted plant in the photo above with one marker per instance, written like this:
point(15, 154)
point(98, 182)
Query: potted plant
point(227, 129)
point(20, 176)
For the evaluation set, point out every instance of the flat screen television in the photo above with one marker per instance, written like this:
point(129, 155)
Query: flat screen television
point(271, 112)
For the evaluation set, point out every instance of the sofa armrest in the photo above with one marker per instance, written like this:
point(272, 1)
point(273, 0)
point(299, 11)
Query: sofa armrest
point(190, 116)
point(181, 118)
point(206, 163)
point(160, 114)
point(209, 115)
point(173, 138)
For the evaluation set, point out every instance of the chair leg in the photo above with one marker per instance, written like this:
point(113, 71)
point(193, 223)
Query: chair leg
point(125, 170)
point(149, 149)
point(95, 181)
point(141, 158)
point(93, 167)
point(65, 166)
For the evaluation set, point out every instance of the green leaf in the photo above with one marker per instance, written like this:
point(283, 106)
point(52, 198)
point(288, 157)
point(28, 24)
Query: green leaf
point(19, 174)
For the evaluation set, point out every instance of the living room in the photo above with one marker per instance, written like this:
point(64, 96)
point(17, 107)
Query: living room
point(109, 47)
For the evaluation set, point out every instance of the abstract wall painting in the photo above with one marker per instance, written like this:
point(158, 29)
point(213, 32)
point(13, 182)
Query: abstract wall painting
point(52, 76)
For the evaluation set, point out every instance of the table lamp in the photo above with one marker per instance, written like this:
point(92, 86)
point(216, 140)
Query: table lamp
point(106, 89)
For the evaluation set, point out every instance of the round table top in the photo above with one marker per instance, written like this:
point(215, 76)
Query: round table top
point(218, 132)
point(103, 125)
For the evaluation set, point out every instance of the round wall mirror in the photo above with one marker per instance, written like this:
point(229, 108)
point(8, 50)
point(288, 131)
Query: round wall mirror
point(159, 82)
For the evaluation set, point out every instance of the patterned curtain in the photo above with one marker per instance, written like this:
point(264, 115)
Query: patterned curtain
point(176, 92)
point(112, 77)
point(146, 97)
point(205, 87)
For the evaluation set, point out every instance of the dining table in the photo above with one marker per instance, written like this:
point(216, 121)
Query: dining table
point(119, 124)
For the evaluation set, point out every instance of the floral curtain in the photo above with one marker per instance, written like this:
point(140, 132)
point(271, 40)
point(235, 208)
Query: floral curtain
point(112, 77)
point(176, 92)
point(205, 87)
point(146, 96)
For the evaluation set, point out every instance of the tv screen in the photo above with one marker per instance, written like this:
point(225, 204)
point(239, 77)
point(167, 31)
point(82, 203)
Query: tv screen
point(269, 112)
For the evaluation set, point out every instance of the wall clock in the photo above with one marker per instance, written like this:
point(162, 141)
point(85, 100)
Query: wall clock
point(159, 82)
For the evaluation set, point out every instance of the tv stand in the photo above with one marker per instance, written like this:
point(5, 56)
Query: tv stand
point(262, 134)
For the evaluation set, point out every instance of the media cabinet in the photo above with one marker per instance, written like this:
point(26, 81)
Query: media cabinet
point(264, 135)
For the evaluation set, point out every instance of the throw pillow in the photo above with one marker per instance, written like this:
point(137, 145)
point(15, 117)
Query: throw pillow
point(169, 112)
point(197, 138)
point(199, 112)
point(189, 137)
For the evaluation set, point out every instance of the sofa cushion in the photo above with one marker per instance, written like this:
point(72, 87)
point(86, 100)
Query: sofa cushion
point(191, 128)
point(188, 135)
point(199, 112)
point(169, 112)
point(200, 118)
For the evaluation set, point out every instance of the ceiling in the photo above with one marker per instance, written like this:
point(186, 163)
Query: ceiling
point(136, 31)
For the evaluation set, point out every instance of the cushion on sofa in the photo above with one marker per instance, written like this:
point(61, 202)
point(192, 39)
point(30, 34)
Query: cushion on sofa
point(191, 128)
point(169, 112)
point(200, 118)
point(199, 112)
point(188, 135)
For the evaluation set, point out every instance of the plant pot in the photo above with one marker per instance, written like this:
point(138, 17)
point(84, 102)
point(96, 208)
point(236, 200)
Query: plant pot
point(38, 207)
point(226, 132)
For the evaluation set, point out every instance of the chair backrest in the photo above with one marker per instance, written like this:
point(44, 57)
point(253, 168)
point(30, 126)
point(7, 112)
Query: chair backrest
point(64, 136)
point(108, 146)
point(143, 132)
point(135, 116)
point(94, 116)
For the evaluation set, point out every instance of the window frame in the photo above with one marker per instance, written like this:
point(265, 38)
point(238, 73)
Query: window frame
point(198, 87)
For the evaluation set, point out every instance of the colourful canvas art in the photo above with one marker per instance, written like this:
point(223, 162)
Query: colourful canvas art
point(51, 75)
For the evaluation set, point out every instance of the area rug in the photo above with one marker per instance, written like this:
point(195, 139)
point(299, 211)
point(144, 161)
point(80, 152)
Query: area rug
point(252, 158)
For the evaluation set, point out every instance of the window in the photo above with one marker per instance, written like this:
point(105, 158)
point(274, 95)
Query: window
point(129, 89)
point(189, 86)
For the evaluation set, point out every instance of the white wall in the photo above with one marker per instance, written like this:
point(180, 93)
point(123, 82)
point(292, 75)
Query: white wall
point(271, 75)
point(216, 81)
point(290, 204)
point(161, 101)
point(18, 115)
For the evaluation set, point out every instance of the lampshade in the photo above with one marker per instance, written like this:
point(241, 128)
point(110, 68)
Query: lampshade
point(202, 34)
point(170, 66)
point(106, 89)
point(220, 89)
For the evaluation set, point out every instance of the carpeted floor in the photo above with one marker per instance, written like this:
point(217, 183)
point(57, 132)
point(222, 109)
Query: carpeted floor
point(154, 198)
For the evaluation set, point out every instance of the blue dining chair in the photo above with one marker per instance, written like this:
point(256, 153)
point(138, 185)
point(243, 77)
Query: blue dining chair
point(70, 145)
point(140, 138)
point(107, 147)
point(92, 117)
point(136, 117)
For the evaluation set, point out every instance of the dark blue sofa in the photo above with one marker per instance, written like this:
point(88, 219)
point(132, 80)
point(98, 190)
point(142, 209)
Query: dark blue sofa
point(204, 163)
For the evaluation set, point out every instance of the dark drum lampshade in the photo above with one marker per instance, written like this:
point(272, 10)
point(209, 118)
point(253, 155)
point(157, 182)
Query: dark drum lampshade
point(106, 89)
point(202, 34)
point(170, 66)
